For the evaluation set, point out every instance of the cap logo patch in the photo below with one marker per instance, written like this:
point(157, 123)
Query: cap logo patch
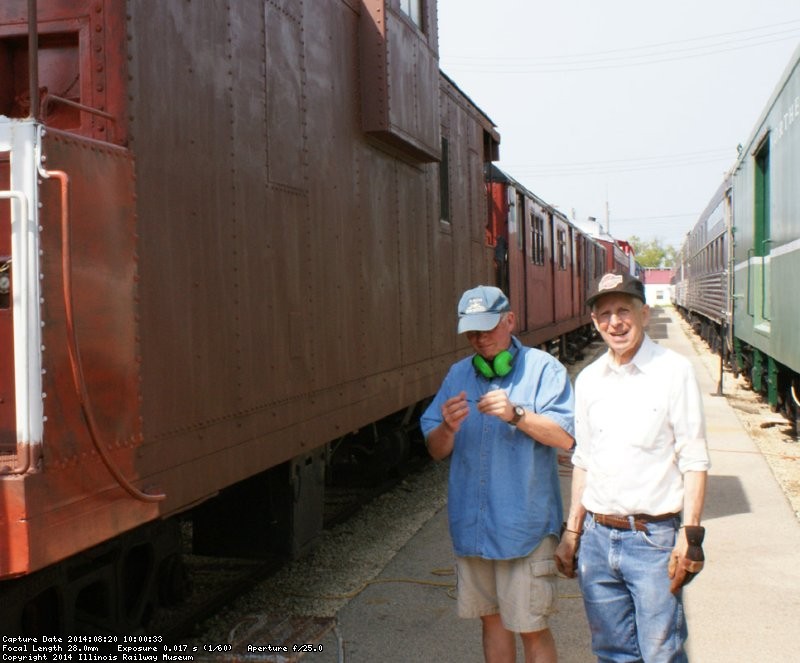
point(609, 282)
point(475, 305)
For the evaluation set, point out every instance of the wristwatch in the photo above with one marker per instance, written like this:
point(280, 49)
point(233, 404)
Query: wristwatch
point(519, 412)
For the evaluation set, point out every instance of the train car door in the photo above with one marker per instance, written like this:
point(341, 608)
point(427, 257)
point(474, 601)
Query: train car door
point(538, 267)
point(758, 271)
point(563, 294)
point(499, 228)
point(517, 254)
point(576, 271)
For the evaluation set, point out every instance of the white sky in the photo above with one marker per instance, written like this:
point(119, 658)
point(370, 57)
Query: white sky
point(634, 102)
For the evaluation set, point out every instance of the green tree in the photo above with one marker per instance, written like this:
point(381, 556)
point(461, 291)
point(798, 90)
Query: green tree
point(652, 253)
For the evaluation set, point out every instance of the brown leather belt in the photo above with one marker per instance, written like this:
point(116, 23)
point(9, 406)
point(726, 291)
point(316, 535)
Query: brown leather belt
point(639, 523)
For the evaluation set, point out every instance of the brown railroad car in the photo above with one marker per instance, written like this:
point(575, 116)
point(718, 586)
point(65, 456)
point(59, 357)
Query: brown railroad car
point(232, 236)
point(225, 237)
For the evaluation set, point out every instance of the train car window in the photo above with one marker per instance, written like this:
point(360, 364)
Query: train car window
point(7, 82)
point(537, 239)
point(413, 9)
point(444, 183)
point(520, 221)
point(562, 249)
point(5, 282)
point(601, 261)
point(62, 80)
point(761, 216)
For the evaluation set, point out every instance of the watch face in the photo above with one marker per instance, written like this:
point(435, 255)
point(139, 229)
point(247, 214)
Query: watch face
point(519, 411)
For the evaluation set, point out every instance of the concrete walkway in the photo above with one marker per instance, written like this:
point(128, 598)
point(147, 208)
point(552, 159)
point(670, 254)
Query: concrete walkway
point(744, 606)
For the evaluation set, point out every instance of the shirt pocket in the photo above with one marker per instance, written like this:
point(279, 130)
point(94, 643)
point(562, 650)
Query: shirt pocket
point(650, 424)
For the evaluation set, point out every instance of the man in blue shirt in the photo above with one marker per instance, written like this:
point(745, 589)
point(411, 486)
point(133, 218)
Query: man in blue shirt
point(501, 414)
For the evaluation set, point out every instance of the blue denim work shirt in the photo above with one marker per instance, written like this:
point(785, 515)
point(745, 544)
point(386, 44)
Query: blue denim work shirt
point(504, 495)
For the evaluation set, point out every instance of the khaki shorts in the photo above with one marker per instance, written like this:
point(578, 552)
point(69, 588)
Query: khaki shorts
point(522, 590)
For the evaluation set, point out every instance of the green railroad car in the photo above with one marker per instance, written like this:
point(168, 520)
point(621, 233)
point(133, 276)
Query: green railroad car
point(766, 254)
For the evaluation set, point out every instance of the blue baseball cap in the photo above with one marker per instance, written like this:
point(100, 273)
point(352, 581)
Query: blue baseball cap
point(481, 308)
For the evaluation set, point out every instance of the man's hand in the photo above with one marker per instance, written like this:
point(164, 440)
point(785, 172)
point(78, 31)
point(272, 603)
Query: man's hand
point(454, 411)
point(687, 558)
point(496, 403)
point(441, 439)
point(566, 553)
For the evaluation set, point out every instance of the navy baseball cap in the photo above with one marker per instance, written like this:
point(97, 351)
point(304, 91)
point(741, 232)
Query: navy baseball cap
point(481, 308)
point(623, 284)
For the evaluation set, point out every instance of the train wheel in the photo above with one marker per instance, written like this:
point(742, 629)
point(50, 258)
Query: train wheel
point(394, 449)
point(173, 581)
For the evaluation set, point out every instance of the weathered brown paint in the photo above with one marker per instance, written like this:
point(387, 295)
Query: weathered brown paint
point(258, 274)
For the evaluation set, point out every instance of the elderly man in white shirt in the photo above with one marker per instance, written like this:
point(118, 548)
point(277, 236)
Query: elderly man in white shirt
point(638, 484)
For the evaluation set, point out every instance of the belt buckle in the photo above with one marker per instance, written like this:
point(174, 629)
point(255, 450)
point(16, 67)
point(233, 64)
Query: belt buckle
point(638, 525)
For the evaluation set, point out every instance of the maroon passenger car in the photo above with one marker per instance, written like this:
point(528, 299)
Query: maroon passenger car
point(547, 264)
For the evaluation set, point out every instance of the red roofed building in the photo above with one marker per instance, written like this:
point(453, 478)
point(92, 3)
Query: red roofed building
point(656, 286)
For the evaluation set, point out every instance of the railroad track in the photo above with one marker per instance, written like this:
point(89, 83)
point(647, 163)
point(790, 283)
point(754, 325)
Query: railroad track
point(214, 583)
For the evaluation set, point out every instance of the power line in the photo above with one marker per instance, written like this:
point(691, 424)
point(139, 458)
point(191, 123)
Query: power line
point(508, 70)
point(589, 62)
point(592, 54)
point(545, 170)
point(691, 215)
point(718, 152)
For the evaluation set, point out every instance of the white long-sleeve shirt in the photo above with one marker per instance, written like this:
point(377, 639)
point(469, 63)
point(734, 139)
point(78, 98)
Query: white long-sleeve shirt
point(638, 427)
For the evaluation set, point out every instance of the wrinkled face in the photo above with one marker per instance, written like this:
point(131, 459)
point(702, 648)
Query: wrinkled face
point(489, 344)
point(621, 320)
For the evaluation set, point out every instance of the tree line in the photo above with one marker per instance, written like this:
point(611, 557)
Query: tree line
point(653, 253)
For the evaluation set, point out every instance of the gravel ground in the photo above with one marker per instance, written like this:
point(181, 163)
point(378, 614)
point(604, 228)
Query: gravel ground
point(350, 555)
point(347, 557)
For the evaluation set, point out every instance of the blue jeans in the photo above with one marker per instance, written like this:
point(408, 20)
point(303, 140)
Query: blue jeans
point(623, 576)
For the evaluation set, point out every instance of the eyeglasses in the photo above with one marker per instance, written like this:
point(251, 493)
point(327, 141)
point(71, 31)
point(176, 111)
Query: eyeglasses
point(475, 334)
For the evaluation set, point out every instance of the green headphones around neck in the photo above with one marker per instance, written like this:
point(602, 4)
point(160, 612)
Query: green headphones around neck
point(499, 367)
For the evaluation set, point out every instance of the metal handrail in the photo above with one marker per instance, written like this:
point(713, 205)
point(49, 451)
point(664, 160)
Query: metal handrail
point(74, 104)
point(763, 278)
point(750, 253)
point(23, 448)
